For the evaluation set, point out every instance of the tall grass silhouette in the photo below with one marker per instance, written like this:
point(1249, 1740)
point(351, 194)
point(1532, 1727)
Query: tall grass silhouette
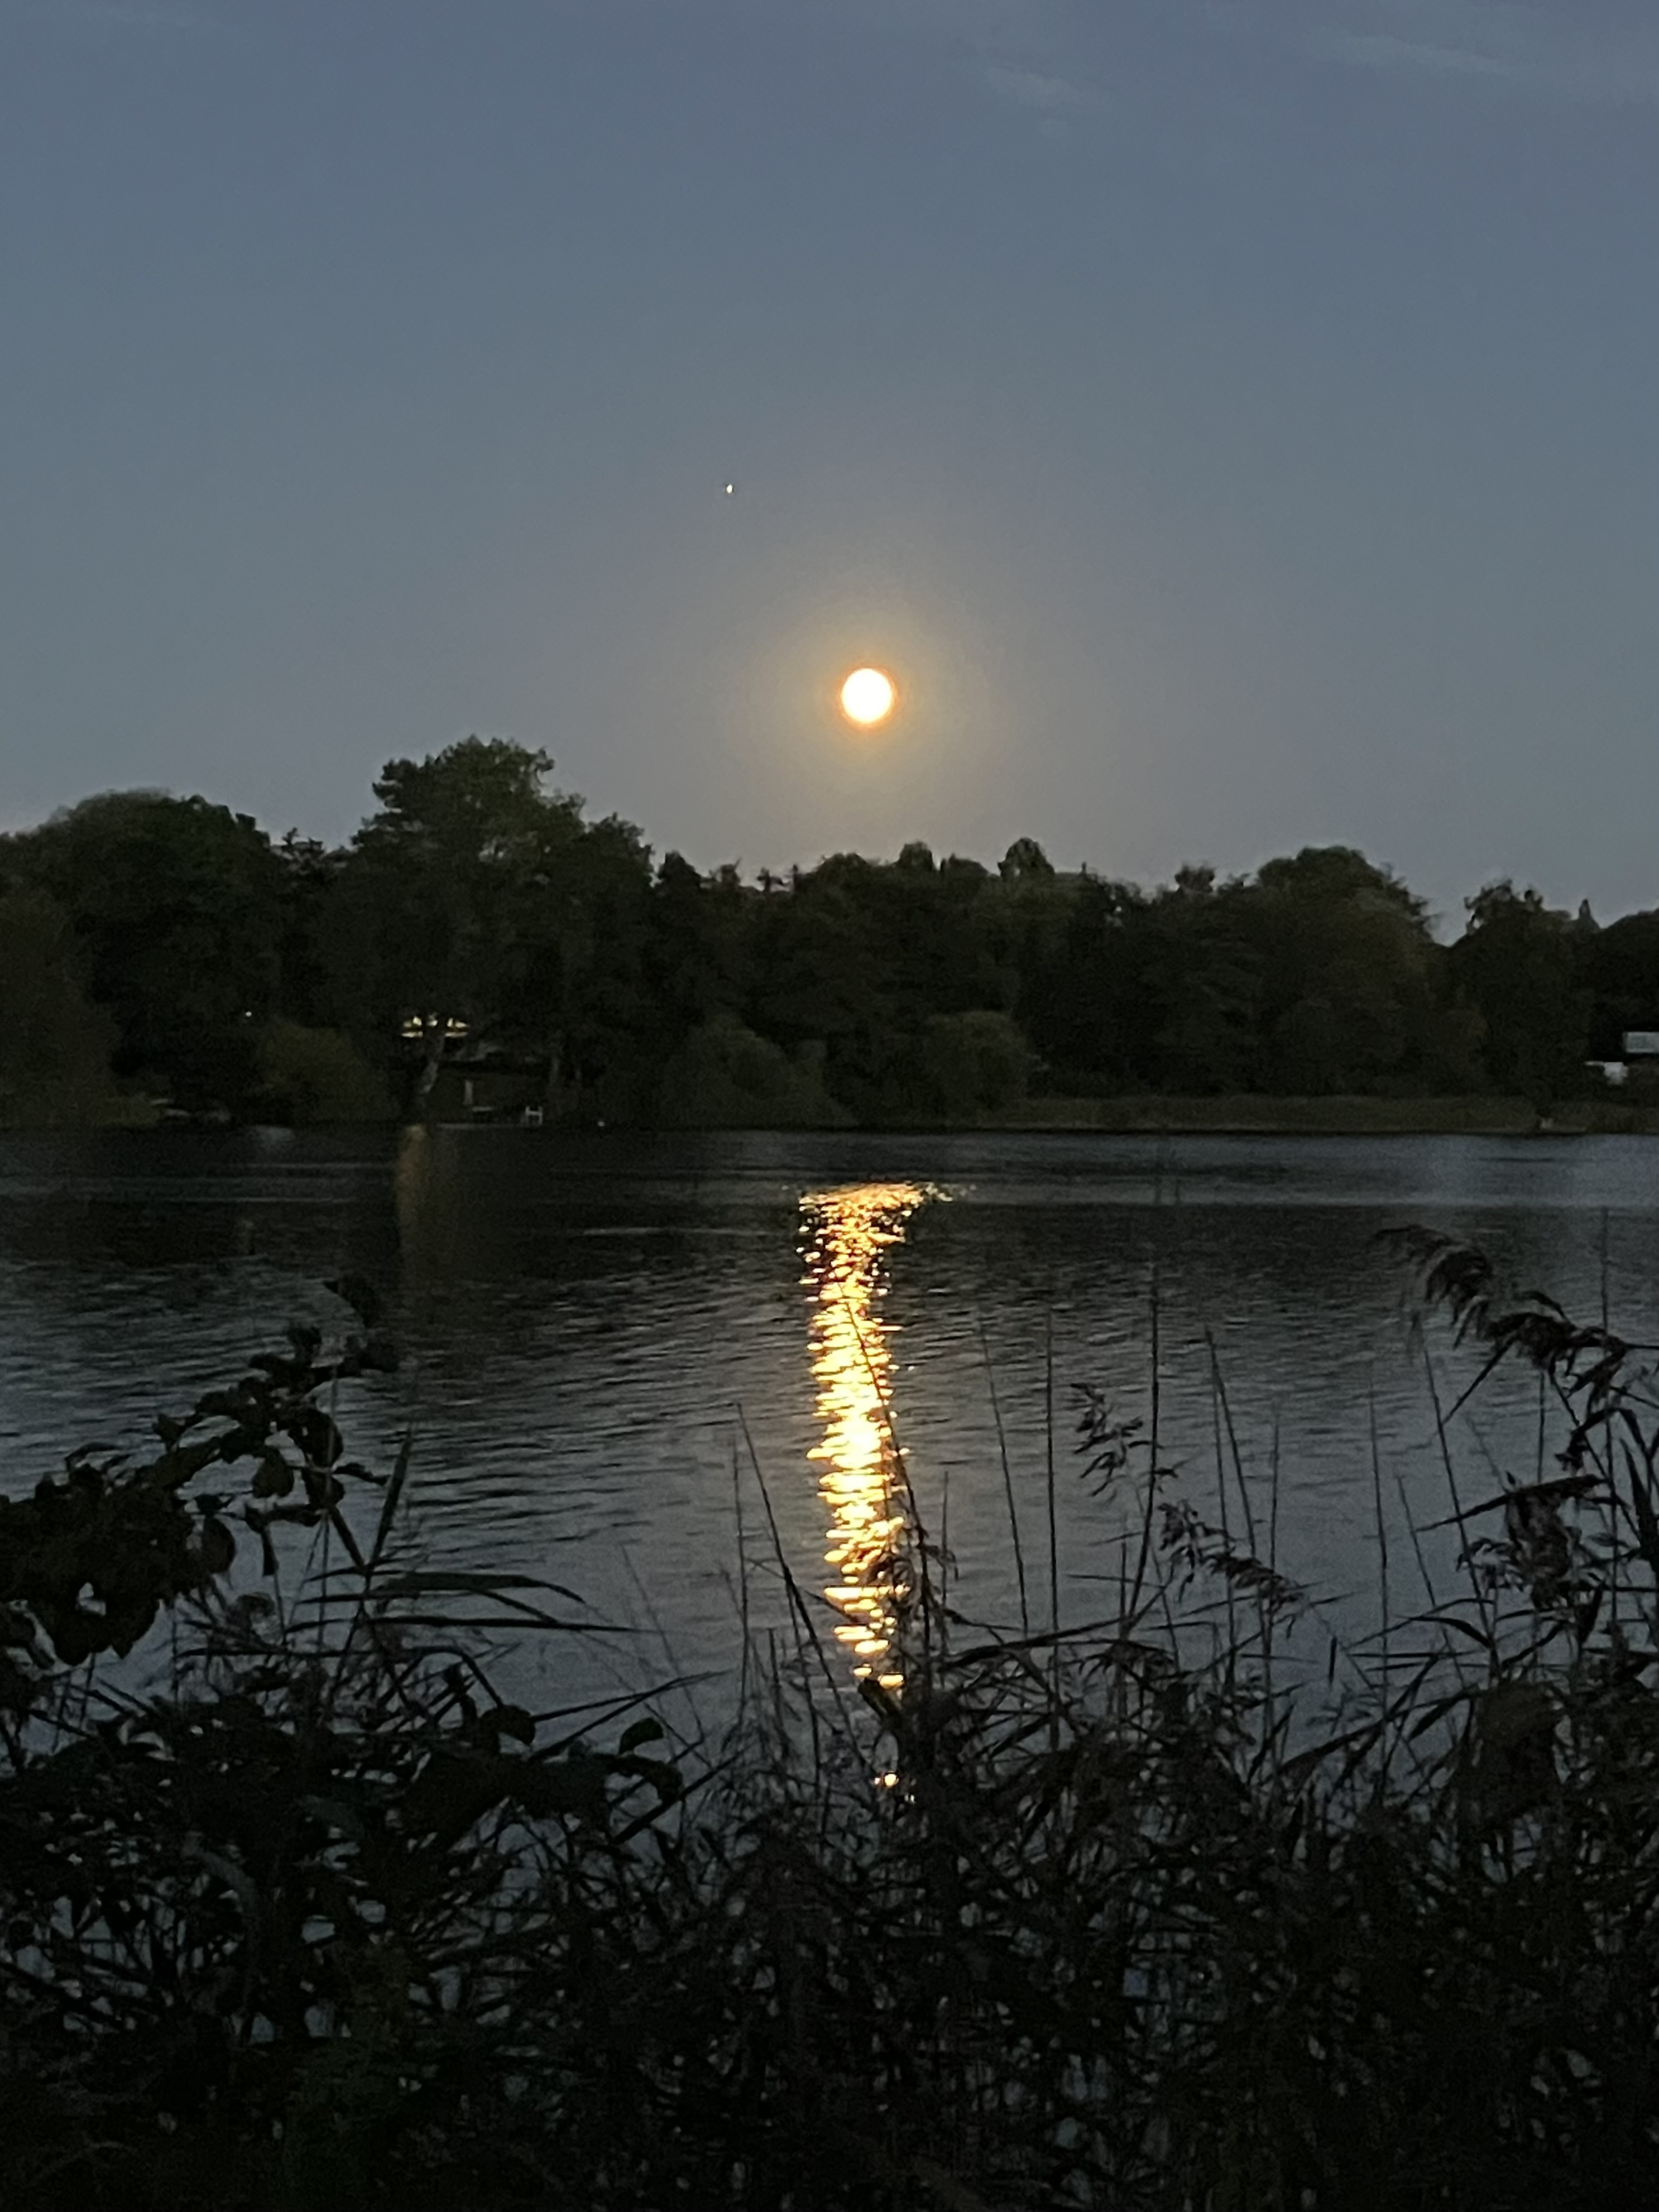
point(1153, 1912)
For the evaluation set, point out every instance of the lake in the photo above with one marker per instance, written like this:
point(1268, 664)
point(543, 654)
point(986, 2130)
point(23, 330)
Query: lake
point(612, 1341)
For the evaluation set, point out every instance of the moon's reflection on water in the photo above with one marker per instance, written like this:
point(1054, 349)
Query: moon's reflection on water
point(846, 1234)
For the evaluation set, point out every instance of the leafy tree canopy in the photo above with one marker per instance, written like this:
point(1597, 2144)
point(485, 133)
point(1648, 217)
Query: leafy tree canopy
point(174, 906)
point(477, 915)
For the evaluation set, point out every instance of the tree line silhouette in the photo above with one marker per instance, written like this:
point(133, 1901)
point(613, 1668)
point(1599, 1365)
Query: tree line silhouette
point(154, 948)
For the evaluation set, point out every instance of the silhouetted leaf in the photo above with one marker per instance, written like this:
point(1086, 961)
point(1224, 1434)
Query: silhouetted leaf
point(360, 1294)
point(218, 1547)
point(274, 1478)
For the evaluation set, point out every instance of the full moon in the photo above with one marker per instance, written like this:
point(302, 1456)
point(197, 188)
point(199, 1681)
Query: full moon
point(867, 696)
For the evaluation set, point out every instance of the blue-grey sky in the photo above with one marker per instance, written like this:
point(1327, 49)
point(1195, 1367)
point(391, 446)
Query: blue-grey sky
point(1237, 425)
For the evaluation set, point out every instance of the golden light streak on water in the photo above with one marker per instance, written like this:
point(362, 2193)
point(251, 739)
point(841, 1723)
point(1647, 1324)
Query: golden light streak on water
point(846, 1234)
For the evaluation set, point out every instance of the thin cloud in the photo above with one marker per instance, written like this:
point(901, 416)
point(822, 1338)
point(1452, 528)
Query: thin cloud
point(141, 16)
point(1562, 55)
point(1380, 50)
point(1048, 95)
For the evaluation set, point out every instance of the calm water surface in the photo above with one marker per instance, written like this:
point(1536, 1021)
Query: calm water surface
point(593, 1324)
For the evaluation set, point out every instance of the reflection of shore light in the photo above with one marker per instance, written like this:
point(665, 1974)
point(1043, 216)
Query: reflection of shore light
point(860, 1472)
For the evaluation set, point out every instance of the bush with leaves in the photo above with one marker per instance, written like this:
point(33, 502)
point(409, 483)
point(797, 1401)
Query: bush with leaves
point(1113, 1917)
point(256, 1927)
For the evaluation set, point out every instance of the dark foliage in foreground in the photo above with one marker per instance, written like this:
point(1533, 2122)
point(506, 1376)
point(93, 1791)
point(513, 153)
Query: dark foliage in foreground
point(326, 1924)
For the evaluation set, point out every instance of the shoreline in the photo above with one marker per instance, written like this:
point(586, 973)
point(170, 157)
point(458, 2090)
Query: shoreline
point(1248, 1115)
point(1238, 1114)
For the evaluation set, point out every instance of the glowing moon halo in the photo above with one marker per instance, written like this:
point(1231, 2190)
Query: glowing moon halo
point(868, 697)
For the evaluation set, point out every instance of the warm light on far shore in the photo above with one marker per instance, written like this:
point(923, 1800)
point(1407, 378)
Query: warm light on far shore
point(867, 696)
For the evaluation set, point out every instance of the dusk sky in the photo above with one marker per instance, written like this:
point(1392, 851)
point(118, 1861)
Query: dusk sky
point(1235, 426)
